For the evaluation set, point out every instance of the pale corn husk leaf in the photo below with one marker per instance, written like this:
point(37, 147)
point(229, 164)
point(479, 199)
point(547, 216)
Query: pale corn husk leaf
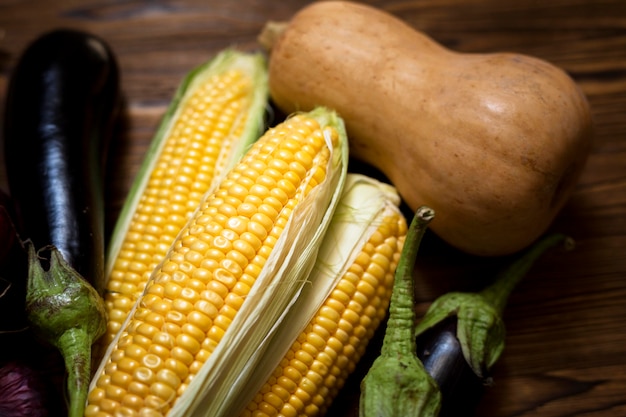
point(364, 202)
point(221, 381)
point(253, 64)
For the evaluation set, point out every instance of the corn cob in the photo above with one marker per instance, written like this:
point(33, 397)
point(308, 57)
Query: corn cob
point(353, 278)
point(214, 116)
point(243, 255)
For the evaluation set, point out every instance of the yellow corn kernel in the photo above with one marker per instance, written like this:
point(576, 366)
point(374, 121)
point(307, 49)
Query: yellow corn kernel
point(193, 296)
point(213, 122)
point(327, 351)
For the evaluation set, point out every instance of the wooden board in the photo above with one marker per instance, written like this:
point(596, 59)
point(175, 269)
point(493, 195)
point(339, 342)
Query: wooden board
point(566, 340)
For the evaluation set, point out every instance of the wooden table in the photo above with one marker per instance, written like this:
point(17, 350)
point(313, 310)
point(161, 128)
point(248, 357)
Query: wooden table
point(566, 322)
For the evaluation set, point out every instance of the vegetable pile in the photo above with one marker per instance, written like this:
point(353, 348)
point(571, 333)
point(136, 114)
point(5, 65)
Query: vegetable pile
point(249, 267)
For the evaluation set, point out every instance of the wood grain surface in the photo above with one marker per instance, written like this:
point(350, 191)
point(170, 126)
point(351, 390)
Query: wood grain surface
point(566, 342)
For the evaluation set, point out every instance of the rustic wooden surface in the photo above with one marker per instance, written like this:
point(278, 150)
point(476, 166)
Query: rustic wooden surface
point(566, 322)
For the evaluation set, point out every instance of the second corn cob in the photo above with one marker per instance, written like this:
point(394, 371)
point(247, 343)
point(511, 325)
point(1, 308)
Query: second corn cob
point(229, 276)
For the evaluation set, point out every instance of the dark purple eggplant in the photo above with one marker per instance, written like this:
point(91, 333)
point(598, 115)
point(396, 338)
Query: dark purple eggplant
point(60, 109)
point(22, 391)
point(441, 353)
point(31, 377)
point(462, 335)
point(439, 367)
point(62, 100)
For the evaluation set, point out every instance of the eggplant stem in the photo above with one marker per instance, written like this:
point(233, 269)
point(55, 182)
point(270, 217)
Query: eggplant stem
point(399, 337)
point(497, 294)
point(75, 346)
point(67, 312)
point(397, 385)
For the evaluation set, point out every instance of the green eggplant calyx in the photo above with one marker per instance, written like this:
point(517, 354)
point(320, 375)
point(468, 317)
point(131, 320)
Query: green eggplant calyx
point(66, 311)
point(480, 327)
point(397, 384)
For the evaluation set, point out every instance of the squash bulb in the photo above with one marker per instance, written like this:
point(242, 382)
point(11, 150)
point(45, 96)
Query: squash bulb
point(494, 143)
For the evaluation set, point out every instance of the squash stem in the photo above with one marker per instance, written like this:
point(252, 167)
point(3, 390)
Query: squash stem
point(498, 292)
point(400, 325)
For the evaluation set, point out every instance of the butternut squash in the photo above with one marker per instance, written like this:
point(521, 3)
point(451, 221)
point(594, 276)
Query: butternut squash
point(494, 143)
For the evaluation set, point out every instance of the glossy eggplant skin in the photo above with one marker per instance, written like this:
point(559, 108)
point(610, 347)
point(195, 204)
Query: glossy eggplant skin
point(62, 101)
point(440, 351)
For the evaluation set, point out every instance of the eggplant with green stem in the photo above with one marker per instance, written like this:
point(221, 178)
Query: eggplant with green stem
point(62, 100)
point(437, 367)
point(462, 334)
